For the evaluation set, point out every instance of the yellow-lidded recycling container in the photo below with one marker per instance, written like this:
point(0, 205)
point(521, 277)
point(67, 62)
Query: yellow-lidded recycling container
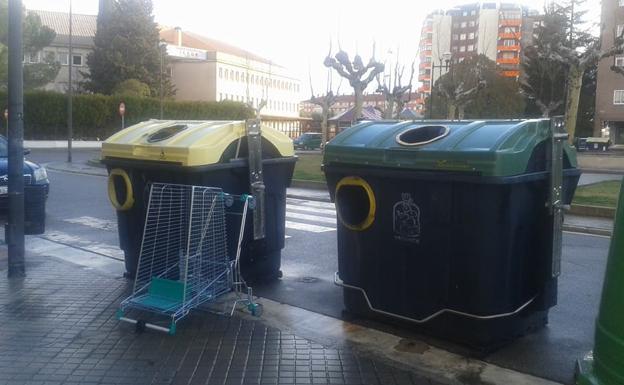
point(202, 153)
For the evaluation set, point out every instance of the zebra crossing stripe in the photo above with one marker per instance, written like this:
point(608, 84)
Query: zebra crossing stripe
point(308, 227)
point(317, 210)
point(326, 205)
point(311, 218)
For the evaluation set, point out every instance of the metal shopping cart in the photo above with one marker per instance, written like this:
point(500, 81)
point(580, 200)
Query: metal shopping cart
point(183, 261)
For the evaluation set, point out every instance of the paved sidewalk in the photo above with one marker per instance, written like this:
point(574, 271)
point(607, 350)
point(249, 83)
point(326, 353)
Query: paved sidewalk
point(59, 327)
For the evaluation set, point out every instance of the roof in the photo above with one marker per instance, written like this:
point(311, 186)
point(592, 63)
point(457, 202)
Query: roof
point(408, 114)
point(193, 40)
point(368, 113)
point(83, 26)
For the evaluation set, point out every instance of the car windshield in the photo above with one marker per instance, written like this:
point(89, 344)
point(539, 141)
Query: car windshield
point(4, 148)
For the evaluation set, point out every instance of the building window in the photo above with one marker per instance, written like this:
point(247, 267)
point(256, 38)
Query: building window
point(619, 60)
point(455, 25)
point(77, 60)
point(473, 12)
point(618, 97)
point(454, 49)
point(509, 43)
point(508, 55)
point(471, 23)
point(620, 28)
point(470, 48)
point(471, 35)
point(463, 24)
point(33, 57)
point(220, 72)
point(455, 36)
point(462, 36)
point(465, 13)
point(621, 3)
point(462, 48)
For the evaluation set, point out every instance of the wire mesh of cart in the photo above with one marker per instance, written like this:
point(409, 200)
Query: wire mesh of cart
point(183, 261)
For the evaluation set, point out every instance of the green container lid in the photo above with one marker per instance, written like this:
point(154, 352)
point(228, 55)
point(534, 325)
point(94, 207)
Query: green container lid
point(488, 148)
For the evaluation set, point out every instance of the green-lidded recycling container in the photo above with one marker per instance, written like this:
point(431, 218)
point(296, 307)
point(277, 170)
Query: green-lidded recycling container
point(445, 225)
point(202, 153)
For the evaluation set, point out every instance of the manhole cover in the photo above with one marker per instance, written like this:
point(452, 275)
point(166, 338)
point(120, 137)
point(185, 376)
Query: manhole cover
point(307, 279)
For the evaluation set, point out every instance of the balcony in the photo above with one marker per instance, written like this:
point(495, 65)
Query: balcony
point(424, 65)
point(422, 78)
point(510, 74)
point(424, 89)
point(513, 60)
point(426, 52)
point(510, 22)
point(510, 35)
point(514, 48)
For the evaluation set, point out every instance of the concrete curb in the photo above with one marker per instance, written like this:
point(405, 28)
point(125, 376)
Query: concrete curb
point(88, 170)
point(587, 230)
point(593, 211)
point(602, 171)
point(309, 184)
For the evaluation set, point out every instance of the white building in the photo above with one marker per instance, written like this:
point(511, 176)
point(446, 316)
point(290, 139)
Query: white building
point(205, 69)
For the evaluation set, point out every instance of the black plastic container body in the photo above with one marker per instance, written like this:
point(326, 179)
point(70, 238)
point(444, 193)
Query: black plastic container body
point(438, 241)
point(260, 259)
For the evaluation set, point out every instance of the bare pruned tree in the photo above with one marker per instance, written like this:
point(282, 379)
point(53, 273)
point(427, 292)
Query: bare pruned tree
point(394, 91)
point(325, 101)
point(358, 74)
point(461, 84)
point(265, 89)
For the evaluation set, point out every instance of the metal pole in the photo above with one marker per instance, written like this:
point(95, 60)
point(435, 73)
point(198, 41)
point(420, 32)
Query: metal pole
point(15, 227)
point(161, 81)
point(433, 68)
point(70, 107)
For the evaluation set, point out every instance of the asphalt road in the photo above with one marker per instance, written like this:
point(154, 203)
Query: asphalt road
point(79, 214)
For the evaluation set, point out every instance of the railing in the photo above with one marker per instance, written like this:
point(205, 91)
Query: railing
point(515, 60)
point(508, 47)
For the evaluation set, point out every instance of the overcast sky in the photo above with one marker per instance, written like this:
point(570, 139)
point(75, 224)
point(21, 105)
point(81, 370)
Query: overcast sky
point(296, 34)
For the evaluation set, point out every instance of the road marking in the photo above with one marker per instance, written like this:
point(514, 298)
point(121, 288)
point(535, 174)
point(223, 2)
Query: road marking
point(95, 223)
point(327, 205)
point(311, 218)
point(308, 227)
point(317, 210)
point(84, 244)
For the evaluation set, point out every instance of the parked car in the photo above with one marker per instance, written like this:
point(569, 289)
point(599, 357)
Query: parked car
point(36, 188)
point(308, 141)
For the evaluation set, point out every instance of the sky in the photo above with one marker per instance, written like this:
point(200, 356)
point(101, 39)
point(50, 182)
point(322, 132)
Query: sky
point(297, 34)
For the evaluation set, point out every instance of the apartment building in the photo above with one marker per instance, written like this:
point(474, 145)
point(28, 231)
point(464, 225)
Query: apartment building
point(450, 36)
point(204, 69)
point(609, 119)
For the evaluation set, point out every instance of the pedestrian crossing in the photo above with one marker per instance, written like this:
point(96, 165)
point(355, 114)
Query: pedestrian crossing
point(310, 216)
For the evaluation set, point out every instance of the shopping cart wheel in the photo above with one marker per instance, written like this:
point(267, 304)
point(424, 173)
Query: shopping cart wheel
point(255, 309)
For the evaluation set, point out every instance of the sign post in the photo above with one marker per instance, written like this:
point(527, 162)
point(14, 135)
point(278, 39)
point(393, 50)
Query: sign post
point(122, 113)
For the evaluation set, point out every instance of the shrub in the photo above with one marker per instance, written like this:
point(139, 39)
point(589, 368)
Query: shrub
point(97, 116)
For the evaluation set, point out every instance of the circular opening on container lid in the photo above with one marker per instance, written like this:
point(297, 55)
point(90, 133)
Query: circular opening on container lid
point(166, 133)
point(355, 203)
point(418, 136)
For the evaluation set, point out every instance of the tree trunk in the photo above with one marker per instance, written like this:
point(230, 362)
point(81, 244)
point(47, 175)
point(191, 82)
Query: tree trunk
point(450, 111)
point(575, 82)
point(358, 91)
point(325, 112)
point(389, 112)
point(460, 112)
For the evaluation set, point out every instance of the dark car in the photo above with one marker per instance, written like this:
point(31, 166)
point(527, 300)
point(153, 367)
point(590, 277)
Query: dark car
point(308, 141)
point(36, 187)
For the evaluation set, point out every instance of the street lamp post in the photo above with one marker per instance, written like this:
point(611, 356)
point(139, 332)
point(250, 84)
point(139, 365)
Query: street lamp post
point(447, 60)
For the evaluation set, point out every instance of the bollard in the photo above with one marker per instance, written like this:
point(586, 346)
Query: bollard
point(605, 365)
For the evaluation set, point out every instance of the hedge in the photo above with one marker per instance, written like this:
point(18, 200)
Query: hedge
point(97, 116)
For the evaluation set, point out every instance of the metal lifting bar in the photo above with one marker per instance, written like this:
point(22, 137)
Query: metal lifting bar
point(339, 282)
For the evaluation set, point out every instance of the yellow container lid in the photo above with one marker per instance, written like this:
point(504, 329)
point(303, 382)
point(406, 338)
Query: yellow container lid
point(185, 142)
